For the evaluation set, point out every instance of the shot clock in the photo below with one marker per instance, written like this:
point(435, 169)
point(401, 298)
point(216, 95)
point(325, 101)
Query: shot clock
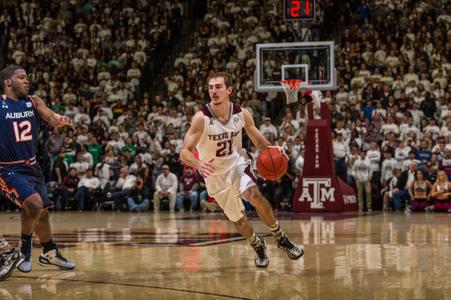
point(299, 10)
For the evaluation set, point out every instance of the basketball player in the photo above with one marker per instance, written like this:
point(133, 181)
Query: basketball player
point(21, 178)
point(216, 132)
point(9, 257)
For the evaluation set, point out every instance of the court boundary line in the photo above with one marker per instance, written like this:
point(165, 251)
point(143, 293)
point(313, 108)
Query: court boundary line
point(137, 285)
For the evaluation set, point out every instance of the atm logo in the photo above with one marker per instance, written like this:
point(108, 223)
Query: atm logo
point(322, 192)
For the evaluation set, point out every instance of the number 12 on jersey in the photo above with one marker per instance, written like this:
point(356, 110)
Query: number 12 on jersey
point(224, 148)
point(22, 131)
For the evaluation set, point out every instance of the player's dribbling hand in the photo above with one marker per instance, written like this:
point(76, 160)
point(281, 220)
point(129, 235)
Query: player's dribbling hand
point(64, 121)
point(206, 168)
point(280, 149)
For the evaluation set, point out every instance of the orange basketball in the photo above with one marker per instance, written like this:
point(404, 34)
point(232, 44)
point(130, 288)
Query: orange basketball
point(272, 164)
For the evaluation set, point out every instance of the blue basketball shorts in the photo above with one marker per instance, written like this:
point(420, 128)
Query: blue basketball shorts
point(19, 182)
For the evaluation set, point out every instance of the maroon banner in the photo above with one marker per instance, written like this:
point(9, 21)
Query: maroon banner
point(319, 190)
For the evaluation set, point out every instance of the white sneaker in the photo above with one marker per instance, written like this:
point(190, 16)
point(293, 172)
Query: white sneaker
point(54, 257)
point(8, 261)
point(24, 264)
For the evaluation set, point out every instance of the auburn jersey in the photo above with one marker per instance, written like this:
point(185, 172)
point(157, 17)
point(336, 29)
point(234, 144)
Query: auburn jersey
point(19, 126)
point(221, 140)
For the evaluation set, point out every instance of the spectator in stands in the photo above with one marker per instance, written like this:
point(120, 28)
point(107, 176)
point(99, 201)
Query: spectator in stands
point(87, 156)
point(419, 191)
point(424, 153)
point(87, 186)
point(55, 142)
point(441, 193)
point(60, 168)
point(390, 189)
point(267, 127)
point(299, 163)
point(388, 165)
point(404, 182)
point(124, 184)
point(410, 159)
point(80, 165)
point(350, 160)
point(139, 167)
point(138, 200)
point(402, 153)
point(189, 184)
point(166, 186)
point(341, 151)
point(362, 171)
point(68, 188)
point(94, 148)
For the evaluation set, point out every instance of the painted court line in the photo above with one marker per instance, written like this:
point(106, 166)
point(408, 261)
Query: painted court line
point(140, 286)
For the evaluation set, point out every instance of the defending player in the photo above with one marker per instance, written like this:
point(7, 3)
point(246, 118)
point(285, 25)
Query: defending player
point(21, 178)
point(216, 132)
point(9, 257)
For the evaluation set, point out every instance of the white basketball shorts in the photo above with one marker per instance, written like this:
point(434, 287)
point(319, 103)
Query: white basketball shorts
point(227, 188)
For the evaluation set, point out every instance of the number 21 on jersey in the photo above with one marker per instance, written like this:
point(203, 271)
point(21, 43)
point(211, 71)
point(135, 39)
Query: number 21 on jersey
point(224, 148)
point(22, 131)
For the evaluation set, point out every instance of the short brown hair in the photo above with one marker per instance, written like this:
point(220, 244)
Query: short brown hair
point(7, 73)
point(225, 75)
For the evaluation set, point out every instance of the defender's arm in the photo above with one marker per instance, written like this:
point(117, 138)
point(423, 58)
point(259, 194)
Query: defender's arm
point(52, 118)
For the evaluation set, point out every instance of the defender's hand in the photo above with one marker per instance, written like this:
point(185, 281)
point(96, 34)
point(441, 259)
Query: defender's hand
point(206, 168)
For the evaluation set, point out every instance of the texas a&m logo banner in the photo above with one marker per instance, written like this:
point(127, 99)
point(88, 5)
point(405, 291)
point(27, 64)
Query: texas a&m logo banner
point(319, 189)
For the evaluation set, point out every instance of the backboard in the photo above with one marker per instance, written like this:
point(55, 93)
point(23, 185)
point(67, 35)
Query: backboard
point(312, 62)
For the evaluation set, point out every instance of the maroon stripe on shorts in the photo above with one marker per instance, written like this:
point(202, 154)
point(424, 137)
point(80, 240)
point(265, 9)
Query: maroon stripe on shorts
point(250, 173)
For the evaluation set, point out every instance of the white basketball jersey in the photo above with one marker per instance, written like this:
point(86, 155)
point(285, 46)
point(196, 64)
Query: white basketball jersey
point(221, 141)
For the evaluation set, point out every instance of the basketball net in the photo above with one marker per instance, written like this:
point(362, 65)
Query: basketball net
point(291, 88)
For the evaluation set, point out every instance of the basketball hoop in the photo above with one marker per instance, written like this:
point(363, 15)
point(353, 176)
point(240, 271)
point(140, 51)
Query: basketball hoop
point(291, 88)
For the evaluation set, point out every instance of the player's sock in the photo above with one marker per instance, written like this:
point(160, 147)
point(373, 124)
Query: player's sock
point(276, 230)
point(254, 241)
point(25, 238)
point(261, 260)
point(48, 246)
point(26, 243)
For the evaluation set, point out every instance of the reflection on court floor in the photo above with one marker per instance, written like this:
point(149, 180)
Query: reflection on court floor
point(195, 256)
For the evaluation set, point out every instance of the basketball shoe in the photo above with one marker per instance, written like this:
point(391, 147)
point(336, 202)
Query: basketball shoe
point(293, 251)
point(8, 261)
point(261, 260)
point(55, 258)
point(24, 264)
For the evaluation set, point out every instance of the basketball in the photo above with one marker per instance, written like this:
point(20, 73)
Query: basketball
point(272, 164)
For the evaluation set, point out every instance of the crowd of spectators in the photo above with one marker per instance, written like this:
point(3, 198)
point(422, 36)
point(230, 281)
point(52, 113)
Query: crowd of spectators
point(391, 114)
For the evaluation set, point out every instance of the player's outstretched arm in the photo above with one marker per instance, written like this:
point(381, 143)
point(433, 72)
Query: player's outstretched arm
point(254, 134)
point(192, 137)
point(52, 118)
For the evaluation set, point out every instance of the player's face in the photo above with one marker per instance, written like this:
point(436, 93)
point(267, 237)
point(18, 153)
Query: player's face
point(19, 83)
point(218, 91)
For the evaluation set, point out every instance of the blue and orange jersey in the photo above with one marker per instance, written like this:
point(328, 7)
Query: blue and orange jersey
point(19, 127)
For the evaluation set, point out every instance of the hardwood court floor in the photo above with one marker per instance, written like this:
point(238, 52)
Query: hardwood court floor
point(195, 256)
